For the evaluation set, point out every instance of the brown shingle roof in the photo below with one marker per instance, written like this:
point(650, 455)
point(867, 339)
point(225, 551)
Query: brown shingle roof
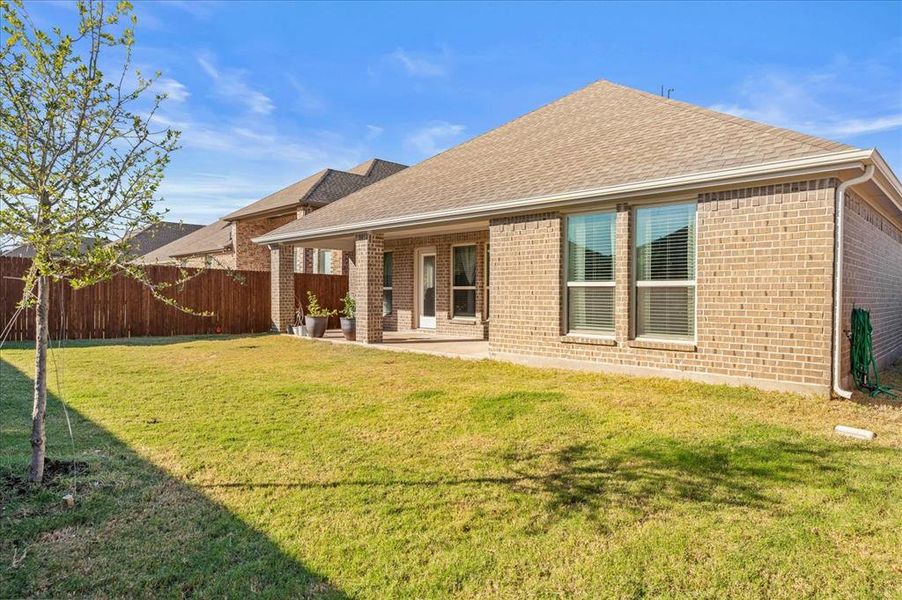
point(320, 188)
point(215, 237)
point(604, 134)
point(158, 235)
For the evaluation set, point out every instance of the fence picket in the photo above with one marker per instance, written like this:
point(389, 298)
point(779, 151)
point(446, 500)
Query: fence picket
point(123, 307)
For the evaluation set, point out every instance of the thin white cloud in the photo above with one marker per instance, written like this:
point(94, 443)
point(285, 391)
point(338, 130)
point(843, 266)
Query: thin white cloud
point(824, 103)
point(374, 131)
point(853, 127)
point(421, 64)
point(263, 142)
point(175, 90)
point(205, 197)
point(305, 100)
point(433, 138)
point(231, 163)
point(200, 9)
point(230, 84)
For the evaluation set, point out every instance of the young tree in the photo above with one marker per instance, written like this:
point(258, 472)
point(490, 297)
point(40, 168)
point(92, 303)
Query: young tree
point(78, 158)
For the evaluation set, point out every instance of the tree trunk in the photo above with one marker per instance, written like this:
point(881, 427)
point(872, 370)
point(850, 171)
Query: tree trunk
point(38, 450)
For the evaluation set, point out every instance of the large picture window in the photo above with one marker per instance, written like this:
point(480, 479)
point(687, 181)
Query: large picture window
point(387, 290)
point(665, 271)
point(590, 273)
point(463, 281)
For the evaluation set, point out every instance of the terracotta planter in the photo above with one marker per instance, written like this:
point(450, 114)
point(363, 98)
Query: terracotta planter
point(316, 326)
point(349, 329)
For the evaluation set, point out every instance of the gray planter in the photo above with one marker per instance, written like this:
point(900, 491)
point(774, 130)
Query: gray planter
point(349, 328)
point(316, 326)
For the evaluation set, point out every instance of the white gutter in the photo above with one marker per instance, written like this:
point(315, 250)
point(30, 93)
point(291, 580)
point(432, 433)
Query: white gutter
point(837, 277)
point(846, 159)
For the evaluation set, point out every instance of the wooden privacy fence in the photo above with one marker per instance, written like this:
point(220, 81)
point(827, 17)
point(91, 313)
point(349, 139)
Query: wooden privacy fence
point(123, 307)
point(328, 289)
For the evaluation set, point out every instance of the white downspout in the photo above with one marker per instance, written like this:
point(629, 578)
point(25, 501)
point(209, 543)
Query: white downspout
point(837, 277)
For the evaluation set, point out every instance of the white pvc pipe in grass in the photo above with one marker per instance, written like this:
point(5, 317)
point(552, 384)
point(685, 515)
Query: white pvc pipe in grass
point(854, 432)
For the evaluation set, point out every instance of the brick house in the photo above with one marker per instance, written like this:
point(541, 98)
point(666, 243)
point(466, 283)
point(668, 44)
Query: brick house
point(618, 230)
point(226, 243)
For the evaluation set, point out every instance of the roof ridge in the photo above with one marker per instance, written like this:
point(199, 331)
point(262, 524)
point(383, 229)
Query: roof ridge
point(326, 172)
point(728, 118)
point(505, 124)
point(322, 173)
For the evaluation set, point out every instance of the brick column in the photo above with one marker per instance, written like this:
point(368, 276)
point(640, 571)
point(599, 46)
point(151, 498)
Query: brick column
point(365, 283)
point(623, 254)
point(282, 307)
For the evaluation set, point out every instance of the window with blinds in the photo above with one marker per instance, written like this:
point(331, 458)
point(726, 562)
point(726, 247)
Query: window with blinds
point(665, 271)
point(590, 273)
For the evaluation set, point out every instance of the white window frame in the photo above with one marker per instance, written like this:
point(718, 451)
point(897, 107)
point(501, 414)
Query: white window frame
point(661, 283)
point(389, 288)
point(590, 333)
point(463, 287)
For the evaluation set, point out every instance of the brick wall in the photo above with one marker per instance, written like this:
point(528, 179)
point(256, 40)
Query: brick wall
point(403, 317)
point(872, 279)
point(248, 255)
point(220, 260)
point(764, 290)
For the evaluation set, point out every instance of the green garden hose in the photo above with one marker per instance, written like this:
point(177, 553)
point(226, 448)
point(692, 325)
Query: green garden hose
point(864, 367)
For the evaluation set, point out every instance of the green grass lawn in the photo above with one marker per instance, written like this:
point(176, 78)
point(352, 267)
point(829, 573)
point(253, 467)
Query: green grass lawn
point(224, 466)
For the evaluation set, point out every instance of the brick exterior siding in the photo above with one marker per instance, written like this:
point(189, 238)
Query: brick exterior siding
point(282, 301)
point(872, 279)
point(219, 260)
point(764, 290)
point(404, 257)
point(248, 255)
point(365, 286)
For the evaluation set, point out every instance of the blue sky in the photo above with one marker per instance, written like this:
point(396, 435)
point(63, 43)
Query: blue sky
point(267, 93)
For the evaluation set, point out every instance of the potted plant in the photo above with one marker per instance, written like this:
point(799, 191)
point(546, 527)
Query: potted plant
point(298, 328)
point(317, 317)
point(349, 317)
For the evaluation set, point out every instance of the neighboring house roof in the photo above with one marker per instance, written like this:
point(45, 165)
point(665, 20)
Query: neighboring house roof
point(158, 235)
point(215, 237)
point(27, 250)
point(602, 135)
point(319, 189)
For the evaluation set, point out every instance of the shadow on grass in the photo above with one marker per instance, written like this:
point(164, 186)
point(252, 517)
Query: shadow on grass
point(644, 479)
point(134, 531)
point(142, 341)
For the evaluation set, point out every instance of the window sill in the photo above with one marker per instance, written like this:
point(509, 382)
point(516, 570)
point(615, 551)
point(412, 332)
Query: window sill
point(589, 340)
point(463, 320)
point(674, 345)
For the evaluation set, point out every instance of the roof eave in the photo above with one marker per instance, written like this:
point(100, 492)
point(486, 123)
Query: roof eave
point(822, 163)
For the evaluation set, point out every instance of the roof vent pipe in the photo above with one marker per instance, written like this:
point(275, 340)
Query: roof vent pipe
point(837, 276)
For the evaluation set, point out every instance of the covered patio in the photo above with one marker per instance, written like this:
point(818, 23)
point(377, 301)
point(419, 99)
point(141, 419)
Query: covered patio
point(420, 343)
point(423, 289)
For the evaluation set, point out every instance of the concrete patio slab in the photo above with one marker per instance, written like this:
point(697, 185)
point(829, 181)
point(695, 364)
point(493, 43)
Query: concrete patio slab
point(421, 343)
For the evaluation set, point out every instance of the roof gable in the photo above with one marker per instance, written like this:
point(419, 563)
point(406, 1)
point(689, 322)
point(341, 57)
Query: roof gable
point(320, 188)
